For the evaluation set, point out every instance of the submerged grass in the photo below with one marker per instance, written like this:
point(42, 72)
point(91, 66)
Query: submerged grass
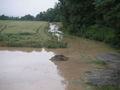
point(105, 87)
point(28, 34)
point(99, 62)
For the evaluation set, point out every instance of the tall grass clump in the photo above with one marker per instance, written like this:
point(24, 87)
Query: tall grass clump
point(100, 33)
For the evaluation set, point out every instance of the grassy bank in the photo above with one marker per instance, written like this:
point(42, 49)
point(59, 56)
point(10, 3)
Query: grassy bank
point(27, 34)
point(99, 33)
point(102, 33)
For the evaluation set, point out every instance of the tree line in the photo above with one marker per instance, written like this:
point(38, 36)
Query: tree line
point(3, 17)
point(51, 15)
point(93, 19)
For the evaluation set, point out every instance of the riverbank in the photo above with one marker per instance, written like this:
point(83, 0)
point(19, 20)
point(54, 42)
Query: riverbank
point(81, 53)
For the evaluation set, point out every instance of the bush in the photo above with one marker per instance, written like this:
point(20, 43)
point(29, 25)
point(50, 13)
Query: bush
point(102, 33)
point(55, 44)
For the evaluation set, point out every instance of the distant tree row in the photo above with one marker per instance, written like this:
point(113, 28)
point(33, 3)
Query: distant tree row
point(3, 17)
point(26, 17)
point(52, 15)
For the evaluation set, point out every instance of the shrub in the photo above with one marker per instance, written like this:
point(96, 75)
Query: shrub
point(102, 33)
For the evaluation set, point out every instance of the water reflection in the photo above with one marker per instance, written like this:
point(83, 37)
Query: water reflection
point(29, 71)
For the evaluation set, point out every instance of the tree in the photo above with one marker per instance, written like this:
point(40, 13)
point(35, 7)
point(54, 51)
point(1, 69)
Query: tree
point(77, 14)
point(52, 15)
point(28, 17)
point(3, 17)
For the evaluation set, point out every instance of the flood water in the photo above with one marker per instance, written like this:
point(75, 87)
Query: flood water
point(29, 71)
point(55, 31)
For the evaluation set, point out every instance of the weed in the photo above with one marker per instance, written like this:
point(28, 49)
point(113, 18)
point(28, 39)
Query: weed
point(105, 87)
point(99, 62)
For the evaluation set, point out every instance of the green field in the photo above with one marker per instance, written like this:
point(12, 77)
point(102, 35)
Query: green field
point(27, 34)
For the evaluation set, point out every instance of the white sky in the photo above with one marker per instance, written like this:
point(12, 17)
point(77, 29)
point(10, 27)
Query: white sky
point(23, 7)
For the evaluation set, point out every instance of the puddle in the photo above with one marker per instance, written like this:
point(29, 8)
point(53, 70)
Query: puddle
point(55, 31)
point(29, 71)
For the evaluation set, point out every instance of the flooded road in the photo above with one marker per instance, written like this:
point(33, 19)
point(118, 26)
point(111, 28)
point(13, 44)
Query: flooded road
point(21, 70)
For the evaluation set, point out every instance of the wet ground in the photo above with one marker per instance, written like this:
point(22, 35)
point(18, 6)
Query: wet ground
point(31, 69)
point(109, 76)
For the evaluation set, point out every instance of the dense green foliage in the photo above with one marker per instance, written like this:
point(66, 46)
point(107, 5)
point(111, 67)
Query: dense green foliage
point(76, 15)
point(28, 17)
point(99, 32)
point(51, 15)
point(94, 19)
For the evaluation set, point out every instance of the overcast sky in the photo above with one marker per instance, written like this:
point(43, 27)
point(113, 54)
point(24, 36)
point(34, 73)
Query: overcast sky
point(23, 7)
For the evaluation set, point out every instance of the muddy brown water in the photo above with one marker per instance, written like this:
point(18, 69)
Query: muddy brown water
point(31, 69)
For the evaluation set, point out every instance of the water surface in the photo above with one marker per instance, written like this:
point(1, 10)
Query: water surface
point(54, 29)
point(29, 71)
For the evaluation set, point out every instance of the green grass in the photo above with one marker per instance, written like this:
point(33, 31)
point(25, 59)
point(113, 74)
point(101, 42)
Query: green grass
point(28, 34)
point(105, 87)
point(100, 33)
point(99, 62)
point(118, 50)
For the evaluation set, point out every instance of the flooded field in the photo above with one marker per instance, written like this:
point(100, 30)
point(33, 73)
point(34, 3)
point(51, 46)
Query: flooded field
point(21, 70)
point(28, 68)
point(31, 69)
